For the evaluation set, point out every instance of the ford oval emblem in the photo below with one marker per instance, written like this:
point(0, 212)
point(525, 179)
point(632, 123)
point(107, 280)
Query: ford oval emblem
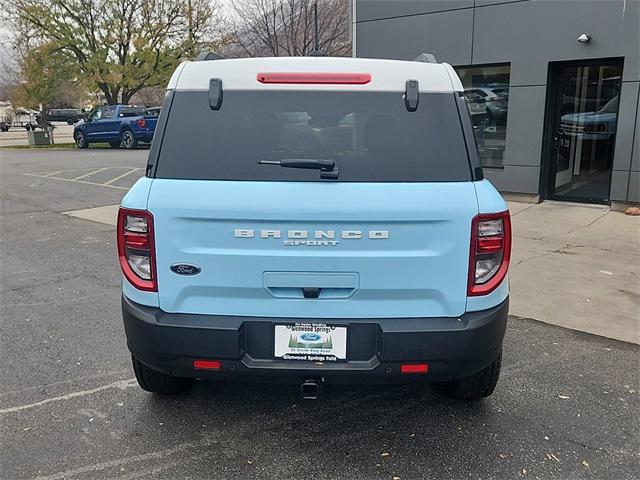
point(310, 337)
point(185, 269)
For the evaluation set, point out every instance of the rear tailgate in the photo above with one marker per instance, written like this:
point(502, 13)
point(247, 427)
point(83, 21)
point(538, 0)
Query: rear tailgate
point(405, 254)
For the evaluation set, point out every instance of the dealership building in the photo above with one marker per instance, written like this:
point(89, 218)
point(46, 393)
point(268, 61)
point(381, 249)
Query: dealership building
point(553, 86)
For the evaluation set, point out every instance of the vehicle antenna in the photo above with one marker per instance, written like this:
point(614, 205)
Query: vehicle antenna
point(316, 52)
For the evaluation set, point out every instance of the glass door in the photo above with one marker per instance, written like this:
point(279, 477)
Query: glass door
point(584, 130)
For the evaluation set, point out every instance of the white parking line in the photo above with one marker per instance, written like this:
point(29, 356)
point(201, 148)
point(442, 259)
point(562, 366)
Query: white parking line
point(79, 181)
point(119, 177)
point(159, 455)
point(121, 384)
point(90, 173)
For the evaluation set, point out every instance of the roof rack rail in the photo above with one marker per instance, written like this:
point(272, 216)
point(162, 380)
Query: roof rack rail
point(204, 56)
point(426, 58)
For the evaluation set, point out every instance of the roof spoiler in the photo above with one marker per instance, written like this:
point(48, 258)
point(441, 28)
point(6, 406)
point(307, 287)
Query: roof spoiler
point(205, 56)
point(426, 58)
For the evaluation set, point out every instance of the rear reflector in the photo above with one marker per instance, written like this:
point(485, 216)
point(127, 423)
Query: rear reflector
point(414, 368)
point(316, 78)
point(206, 364)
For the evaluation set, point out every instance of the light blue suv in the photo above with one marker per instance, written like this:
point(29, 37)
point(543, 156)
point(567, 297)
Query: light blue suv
point(315, 220)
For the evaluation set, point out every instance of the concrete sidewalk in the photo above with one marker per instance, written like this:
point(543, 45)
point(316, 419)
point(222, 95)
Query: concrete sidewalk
point(577, 266)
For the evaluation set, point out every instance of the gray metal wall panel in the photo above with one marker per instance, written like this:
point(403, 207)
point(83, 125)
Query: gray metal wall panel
point(525, 125)
point(377, 9)
point(619, 185)
point(530, 34)
point(626, 122)
point(635, 154)
point(634, 187)
point(497, 177)
point(516, 178)
point(447, 35)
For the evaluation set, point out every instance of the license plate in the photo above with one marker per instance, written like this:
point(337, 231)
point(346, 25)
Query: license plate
point(315, 342)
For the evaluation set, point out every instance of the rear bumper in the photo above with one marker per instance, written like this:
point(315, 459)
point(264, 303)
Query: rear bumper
point(453, 347)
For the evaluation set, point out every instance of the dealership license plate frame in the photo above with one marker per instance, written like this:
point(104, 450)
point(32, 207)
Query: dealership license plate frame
point(339, 351)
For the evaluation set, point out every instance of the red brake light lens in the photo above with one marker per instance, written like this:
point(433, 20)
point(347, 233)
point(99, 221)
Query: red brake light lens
point(315, 78)
point(207, 364)
point(136, 249)
point(414, 368)
point(490, 252)
point(141, 123)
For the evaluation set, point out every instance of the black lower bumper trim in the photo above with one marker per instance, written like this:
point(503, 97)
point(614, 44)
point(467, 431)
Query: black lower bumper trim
point(452, 346)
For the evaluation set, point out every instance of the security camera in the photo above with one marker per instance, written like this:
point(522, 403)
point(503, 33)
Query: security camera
point(584, 38)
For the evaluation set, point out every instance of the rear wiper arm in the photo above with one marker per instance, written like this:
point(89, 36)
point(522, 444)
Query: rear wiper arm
point(327, 167)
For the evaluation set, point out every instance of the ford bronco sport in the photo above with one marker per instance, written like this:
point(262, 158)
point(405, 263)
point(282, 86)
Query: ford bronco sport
point(315, 220)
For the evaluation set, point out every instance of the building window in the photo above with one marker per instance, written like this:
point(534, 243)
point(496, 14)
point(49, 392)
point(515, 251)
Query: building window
point(486, 90)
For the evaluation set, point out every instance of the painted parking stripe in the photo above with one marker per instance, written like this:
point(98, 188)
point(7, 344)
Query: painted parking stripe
point(79, 181)
point(159, 455)
point(90, 173)
point(121, 384)
point(120, 177)
point(83, 177)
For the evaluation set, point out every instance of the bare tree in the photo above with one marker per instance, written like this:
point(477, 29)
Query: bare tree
point(149, 97)
point(286, 27)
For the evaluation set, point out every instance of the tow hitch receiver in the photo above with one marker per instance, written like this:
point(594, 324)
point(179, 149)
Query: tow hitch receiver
point(310, 389)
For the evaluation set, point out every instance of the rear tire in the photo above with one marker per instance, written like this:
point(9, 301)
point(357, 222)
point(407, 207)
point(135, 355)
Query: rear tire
point(158, 382)
point(476, 386)
point(128, 140)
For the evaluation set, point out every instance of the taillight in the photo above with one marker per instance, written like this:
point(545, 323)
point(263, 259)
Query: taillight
point(136, 248)
point(490, 252)
point(141, 122)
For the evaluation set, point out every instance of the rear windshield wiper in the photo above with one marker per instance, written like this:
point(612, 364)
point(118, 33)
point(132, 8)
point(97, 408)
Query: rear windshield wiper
point(327, 167)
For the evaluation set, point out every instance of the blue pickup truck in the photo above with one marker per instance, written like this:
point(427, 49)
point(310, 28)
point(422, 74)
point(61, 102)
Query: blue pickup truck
point(119, 125)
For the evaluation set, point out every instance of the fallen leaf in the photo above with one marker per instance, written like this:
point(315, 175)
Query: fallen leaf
point(384, 454)
point(396, 478)
point(249, 462)
point(634, 211)
point(584, 462)
point(606, 272)
point(564, 397)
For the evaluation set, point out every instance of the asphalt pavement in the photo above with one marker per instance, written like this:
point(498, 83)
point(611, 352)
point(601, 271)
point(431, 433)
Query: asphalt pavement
point(566, 405)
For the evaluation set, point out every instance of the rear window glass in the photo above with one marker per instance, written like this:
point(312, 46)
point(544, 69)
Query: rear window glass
point(132, 111)
point(369, 135)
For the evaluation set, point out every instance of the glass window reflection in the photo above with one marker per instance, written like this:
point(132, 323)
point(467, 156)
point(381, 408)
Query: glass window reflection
point(486, 89)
